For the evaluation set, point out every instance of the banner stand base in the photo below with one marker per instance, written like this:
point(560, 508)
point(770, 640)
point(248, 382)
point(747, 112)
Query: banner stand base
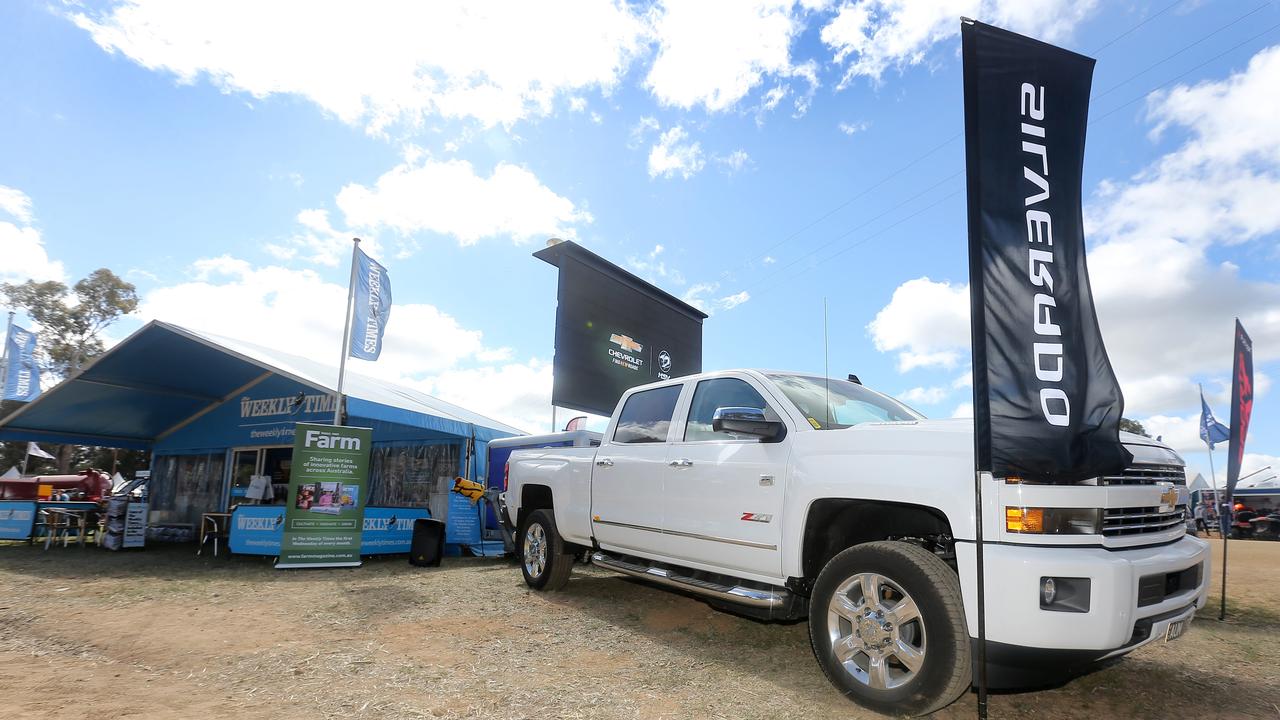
point(292, 566)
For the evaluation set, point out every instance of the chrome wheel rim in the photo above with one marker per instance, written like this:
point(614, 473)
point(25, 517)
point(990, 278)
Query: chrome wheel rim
point(535, 550)
point(876, 631)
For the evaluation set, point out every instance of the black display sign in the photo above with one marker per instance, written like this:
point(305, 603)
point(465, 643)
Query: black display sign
point(1047, 406)
point(615, 331)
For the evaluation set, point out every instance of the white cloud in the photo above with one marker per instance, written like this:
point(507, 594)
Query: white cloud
point(926, 322)
point(383, 63)
point(293, 311)
point(672, 155)
point(734, 161)
point(1218, 187)
point(1182, 433)
point(729, 302)
point(653, 268)
point(714, 52)
point(16, 203)
point(963, 410)
point(1254, 462)
point(449, 198)
point(924, 396)
point(879, 34)
point(1165, 304)
point(25, 256)
point(849, 128)
point(700, 295)
point(641, 130)
point(516, 393)
point(316, 240)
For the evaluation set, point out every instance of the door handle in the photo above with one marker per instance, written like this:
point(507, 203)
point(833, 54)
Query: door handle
point(604, 462)
point(682, 462)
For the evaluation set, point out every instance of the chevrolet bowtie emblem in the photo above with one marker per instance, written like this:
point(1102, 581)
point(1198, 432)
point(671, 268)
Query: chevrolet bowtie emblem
point(626, 343)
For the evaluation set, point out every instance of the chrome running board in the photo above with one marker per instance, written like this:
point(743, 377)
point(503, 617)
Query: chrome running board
point(774, 599)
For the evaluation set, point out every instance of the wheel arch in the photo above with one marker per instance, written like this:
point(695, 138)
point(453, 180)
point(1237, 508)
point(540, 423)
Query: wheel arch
point(533, 498)
point(833, 524)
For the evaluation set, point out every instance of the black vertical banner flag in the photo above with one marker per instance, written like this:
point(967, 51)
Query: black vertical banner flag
point(1047, 405)
point(1241, 405)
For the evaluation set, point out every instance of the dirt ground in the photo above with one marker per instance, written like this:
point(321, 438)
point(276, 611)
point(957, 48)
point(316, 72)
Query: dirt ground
point(161, 633)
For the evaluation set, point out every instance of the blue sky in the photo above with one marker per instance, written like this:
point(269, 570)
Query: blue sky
point(753, 157)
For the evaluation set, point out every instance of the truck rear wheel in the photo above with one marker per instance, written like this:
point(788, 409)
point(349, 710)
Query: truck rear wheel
point(887, 625)
point(543, 559)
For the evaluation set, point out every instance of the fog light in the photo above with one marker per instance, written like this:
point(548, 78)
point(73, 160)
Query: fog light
point(1064, 594)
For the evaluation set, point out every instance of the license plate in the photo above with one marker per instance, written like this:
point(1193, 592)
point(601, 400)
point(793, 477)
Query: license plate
point(1176, 629)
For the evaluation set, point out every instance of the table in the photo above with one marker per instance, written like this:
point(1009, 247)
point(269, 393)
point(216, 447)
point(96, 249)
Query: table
point(214, 526)
point(64, 520)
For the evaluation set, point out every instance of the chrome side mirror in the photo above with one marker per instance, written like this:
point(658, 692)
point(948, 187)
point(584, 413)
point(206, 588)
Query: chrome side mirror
point(747, 421)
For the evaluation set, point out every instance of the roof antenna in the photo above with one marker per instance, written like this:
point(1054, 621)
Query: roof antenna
point(826, 361)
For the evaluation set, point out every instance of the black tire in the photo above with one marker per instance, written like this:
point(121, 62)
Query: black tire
point(935, 638)
point(545, 562)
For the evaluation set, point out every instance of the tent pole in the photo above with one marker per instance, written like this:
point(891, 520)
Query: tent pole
point(346, 331)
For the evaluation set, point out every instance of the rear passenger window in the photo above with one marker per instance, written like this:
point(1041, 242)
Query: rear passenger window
point(647, 416)
point(718, 393)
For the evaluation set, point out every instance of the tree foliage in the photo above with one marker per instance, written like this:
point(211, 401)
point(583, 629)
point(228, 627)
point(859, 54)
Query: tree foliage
point(72, 320)
point(1133, 426)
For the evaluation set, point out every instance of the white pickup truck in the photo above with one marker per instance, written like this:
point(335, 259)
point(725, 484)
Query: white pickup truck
point(781, 495)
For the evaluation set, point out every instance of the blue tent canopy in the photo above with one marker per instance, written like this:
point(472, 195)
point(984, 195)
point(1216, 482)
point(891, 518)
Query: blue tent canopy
point(164, 377)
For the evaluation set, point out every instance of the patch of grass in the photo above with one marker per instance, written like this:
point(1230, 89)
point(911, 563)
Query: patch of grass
point(1243, 614)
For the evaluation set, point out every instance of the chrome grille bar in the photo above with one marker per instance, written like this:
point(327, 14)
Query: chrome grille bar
point(1146, 475)
point(1137, 520)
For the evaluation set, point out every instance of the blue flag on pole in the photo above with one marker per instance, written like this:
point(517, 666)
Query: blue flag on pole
point(22, 375)
point(1211, 431)
point(372, 308)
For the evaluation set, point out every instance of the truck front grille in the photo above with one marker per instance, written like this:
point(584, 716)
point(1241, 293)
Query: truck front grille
point(1138, 520)
point(1146, 475)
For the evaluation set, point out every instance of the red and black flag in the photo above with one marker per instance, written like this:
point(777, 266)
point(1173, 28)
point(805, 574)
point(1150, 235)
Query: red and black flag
point(1241, 405)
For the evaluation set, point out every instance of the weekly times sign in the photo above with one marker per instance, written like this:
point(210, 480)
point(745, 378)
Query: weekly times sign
point(327, 494)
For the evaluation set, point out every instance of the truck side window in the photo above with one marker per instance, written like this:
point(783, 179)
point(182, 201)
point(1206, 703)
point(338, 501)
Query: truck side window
point(718, 393)
point(647, 416)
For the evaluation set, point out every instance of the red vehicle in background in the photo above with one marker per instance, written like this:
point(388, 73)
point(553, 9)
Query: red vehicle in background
point(91, 485)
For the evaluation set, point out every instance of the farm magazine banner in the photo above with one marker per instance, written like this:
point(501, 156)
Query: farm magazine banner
point(327, 492)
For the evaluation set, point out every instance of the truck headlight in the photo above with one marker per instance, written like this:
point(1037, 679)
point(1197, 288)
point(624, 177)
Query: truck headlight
point(1053, 521)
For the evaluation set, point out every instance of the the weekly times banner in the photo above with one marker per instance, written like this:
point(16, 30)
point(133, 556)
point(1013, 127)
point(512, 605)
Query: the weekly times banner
point(327, 489)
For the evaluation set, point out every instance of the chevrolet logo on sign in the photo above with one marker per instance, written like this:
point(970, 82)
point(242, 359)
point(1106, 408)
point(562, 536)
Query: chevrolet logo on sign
point(626, 343)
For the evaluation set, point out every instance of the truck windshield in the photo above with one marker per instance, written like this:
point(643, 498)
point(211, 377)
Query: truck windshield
point(850, 403)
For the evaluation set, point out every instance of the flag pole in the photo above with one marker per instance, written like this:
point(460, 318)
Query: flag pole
point(4, 354)
point(346, 331)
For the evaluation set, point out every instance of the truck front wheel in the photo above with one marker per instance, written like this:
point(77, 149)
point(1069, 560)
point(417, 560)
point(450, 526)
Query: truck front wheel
point(543, 559)
point(887, 625)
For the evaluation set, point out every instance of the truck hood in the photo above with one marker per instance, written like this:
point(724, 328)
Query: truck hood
point(1145, 450)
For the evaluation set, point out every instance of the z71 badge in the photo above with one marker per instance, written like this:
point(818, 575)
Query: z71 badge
point(757, 517)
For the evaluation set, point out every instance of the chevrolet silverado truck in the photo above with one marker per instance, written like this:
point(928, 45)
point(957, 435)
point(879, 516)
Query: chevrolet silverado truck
point(783, 496)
